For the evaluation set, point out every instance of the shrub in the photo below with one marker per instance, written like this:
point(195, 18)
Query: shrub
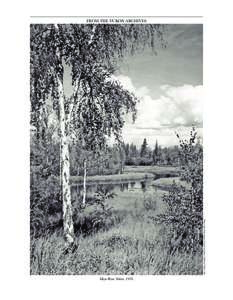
point(149, 204)
point(96, 215)
point(45, 201)
point(44, 183)
point(144, 161)
point(183, 219)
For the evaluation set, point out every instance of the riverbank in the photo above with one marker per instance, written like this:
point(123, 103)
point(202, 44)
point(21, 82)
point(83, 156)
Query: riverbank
point(131, 173)
point(158, 171)
point(110, 178)
point(167, 183)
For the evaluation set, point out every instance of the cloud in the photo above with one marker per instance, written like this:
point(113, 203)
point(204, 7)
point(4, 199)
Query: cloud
point(128, 85)
point(184, 104)
point(176, 109)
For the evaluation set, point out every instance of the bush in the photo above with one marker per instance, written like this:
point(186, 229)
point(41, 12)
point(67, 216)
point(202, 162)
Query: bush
point(44, 183)
point(45, 201)
point(96, 215)
point(183, 219)
point(131, 161)
point(144, 161)
point(149, 204)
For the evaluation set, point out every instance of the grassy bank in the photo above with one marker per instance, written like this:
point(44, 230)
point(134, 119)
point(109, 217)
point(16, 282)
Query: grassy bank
point(131, 173)
point(160, 171)
point(111, 253)
point(116, 177)
point(166, 183)
point(130, 245)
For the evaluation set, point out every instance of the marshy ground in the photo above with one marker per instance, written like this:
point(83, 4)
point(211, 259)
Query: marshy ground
point(126, 241)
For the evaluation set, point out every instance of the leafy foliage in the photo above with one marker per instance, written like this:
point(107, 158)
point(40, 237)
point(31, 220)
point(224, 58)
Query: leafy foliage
point(92, 52)
point(96, 215)
point(183, 219)
point(44, 183)
point(102, 196)
point(45, 203)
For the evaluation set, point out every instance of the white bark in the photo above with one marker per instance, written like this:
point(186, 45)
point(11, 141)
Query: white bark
point(64, 164)
point(92, 35)
point(65, 171)
point(84, 182)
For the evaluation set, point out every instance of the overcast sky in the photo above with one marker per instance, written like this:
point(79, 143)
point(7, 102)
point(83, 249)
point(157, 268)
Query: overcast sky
point(169, 86)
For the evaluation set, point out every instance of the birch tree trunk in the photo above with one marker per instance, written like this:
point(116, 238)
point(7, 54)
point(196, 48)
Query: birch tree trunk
point(84, 181)
point(65, 172)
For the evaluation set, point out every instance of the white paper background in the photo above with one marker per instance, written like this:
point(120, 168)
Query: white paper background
point(16, 283)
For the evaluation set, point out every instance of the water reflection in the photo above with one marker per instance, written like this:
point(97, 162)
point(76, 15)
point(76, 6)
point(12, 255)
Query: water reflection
point(116, 187)
point(132, 184)
point(105, 187)
point(124, 186)
point(143, 186)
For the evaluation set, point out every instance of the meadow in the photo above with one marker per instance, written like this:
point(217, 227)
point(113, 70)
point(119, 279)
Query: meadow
point(124, 242)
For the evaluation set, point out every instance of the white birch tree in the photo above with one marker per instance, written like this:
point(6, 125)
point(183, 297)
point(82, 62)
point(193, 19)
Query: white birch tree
point(95, 109)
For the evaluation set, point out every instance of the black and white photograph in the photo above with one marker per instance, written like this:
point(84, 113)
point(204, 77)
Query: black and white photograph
point(116, 148)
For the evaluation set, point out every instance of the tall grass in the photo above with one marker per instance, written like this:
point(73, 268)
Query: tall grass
point(121, 236)
point(130, 246)
point(109, 255)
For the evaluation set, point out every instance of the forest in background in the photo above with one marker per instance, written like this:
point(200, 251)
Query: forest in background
point(111, 160)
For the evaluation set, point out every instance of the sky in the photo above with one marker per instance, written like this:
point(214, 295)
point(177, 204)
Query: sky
point(169, 85)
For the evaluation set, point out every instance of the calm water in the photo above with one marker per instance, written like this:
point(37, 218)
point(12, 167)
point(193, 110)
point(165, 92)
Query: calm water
point(141, 186)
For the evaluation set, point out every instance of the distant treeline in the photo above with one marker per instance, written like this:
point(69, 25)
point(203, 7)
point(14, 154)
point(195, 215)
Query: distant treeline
point(146, 156)
point(111, 160)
